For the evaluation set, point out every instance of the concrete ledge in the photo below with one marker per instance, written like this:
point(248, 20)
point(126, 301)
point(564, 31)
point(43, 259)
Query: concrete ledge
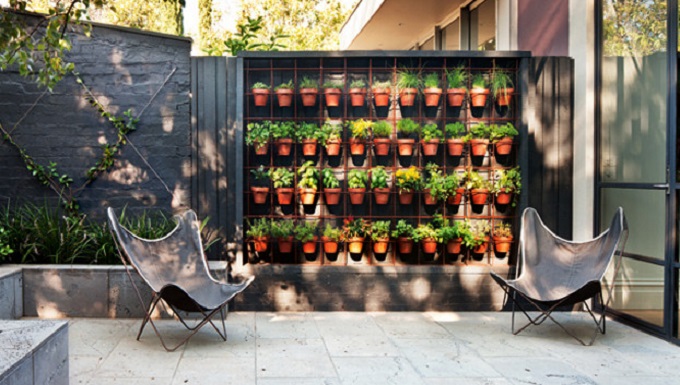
point(34, 352)
point(11, 286)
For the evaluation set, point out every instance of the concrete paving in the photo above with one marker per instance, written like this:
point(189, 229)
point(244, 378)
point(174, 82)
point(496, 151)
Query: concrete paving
point(369, 348)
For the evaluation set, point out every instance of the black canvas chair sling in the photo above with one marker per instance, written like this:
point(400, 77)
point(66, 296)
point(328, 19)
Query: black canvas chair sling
point(555, 272)
point(176, 270)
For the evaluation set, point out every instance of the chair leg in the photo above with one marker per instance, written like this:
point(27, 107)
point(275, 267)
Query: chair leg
point(149, 311)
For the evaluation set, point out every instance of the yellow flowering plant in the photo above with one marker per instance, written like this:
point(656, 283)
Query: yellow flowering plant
point(360, 128)
point(408, 179)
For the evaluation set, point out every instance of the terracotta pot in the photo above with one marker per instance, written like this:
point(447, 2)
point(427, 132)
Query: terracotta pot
point(329, 247)
point(454, 200)
point(382, 146)
point(380, 246)
point(455, 96)
point(428, 198)
point(260, 96)
point(260, 244)
point(405, 245)
point(333, 147)
point(432, 96)
point(307, 195)
point(481, 249)
point(453, 246)
point(406, 198)
point(285, 195)
point(309, 147)
point(503, 98)
point(283, 146)
point(382, 195)
point(405, 146)
point(285, 97)
point(504, 146)
point(261, 150)
point(332, 97)
point(381, 97)
point(309, 96)
point(430, 147)
point(478, 147)
point(502, 244)
point(285, 244)
point(259, 194)
point(356, 245)
point(478, 96)
point(429, 245)
point(309, 247)
point(357, 96)
point(479, 196)
point(504, 197)
point(357, 146)
point(331, 196)
point(407, 96)
point(356, 195)
point(455, 146)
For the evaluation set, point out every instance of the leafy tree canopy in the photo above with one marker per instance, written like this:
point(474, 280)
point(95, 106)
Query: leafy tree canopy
point(634, 27)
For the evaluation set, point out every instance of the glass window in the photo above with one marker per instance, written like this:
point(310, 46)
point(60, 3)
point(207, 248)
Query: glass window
point(428, 45)
point(451, 36)
point(483, 26)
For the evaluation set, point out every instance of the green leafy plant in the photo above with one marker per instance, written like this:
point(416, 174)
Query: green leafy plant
point(500, 131)
point(308, 82)
point(360, 128)
point(379, 177)
point(380, 230)
point(308, 175)
point(247, 35)
point(282, 177)
point(305, 231)
point(430, 131)
point(329, 131)
point(424, 231)
point(473, 180)
point(381, 84)
point(258, 134)
point(475, 234)
point(478, 81)
point(358, 83)
point(332, 233)
point(285, 86)
point(500, 82)
point(403, 229)
point(407, 127)
point(261, 175)
point(260, 85)
point(455, 130)
point(329, 178)
point(435, 182)
point(5, 248)
point(381, 129)
point(336, 84)
point(307, 131)
point(408, 79)
point(449, 184)
point(258, 228)
point(479, 131)
point(408, 180)
point(355, 227)
point(457, 77)
point(431, 80)
point(282, 228)
point(509, 180)
point(448, 231)
point(503, 230)
point(357, 178)
point(283, 130)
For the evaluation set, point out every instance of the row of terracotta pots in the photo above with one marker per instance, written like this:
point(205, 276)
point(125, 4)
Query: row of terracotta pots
point(454, 96)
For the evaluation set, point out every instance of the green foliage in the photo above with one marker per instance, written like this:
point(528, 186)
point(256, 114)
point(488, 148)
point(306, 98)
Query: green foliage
point(250, 37)
point(285, 129)
point(307, 131)
point(5, 248)
point(308, 82)
point(431, 80)
point(434, 180)
point(355, 227)
point(449, 184)
point(379, 177)
point(332, 233)
point(259, 228)
point(500, 82)
point(337, 84)
point(424, 231)
point(329, 178)
point(403, 229)
point(407, 127)
point(448, 231)
point(282, 177)
point(260, 85)
point(430, 131)
point(380, 230)
point(358, 83)
point(330, 131)
point(479, 131)
point(510, 180)
point(308, 175)
point(261, 175)
point(503, 230)
point(357, 178)
point(381, 84)
point(408, 79)
point(360, 128)
point(457, 77)
point(285, 86)
point(258, 133)
point(162, 16)
point(474, 234)
point(282, 228)
point(473, 180)
point(455, 130)
point(305, 231)
point(381, 129)
point(499, 132)
point(478, 81)
point(633, 28)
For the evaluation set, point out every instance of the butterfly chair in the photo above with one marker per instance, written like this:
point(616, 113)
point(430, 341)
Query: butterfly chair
point(176, 270)
point(555, 272)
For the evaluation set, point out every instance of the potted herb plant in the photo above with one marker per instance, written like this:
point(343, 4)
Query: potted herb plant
point(502, 238)
point(308, 182)
point(283, 132)
point(478, 187)
point(477, 239)
point(403, 233)
point(260, 92)
point(283, 183)
point(284, 93)
point(305, 233)
point(456, 80)
point(507, 183)
point(406, 128)
point(333, 91)
point(450, 235)
point(430, 134)
point(408, 83)
point(257, 135)
point(354, 232)
point(432, 184)
point(502, 87)
point(502, 137)
point(331, 238)
point(407, 181)
point(331, 187)
point(431, 89)
point(283, 232)
point(379, 184)
point(260, 189)
point(479, 139)
point(356, 183)
point(381, 92)
point(454, 138)
point(307, 134)
point(381, 137)
point(309, 89)
point(479, 91)
point(380, 235)
point(331, 138)
point(258, 233)
point(426, 234)
point(357, 93)
point(452, 189)
point(359, 132)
